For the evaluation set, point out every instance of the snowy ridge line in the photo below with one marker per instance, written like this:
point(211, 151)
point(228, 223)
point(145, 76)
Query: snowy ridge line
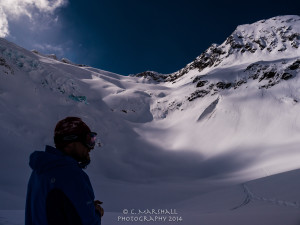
point(251, 196)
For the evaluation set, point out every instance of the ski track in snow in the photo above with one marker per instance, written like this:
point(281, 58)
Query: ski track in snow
point(250, 196)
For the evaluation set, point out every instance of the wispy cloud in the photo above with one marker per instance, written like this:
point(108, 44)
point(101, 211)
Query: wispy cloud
point(3, 24)
point(15, 9)
point(50, 48)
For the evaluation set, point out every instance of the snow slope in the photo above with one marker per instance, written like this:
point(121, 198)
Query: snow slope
point(271, 200)
point(192, 140)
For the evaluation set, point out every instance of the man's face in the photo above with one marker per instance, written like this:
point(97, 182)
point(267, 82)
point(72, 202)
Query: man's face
point(79, 152)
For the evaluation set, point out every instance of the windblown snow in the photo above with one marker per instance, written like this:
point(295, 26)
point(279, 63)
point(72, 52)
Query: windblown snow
point(217, 140)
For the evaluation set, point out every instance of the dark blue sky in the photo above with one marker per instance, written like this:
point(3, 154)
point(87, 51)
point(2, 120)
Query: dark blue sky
point(131, 36)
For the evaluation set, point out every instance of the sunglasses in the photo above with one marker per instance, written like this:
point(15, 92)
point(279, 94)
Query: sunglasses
point(89, 140)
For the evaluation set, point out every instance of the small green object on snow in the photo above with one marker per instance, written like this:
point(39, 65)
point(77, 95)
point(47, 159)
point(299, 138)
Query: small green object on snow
point(78, 98)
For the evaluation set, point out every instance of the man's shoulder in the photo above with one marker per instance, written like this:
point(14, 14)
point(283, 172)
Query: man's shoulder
point(53, 160)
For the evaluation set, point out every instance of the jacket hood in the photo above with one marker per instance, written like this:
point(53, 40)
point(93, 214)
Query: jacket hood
point(50, 158)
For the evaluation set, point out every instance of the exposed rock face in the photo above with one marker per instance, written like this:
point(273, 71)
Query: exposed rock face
point(295, 65)
point(266, 74)
point(4, 67)
point(151, 75)
point(211, 57)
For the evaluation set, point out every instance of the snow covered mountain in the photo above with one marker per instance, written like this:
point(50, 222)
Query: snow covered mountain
point(267, 40)
point(228, 117)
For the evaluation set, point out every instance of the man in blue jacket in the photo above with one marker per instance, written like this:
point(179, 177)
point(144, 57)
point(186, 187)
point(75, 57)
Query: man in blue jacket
point(59, 191)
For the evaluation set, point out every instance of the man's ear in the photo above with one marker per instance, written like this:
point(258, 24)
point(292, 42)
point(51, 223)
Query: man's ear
point(69, 147)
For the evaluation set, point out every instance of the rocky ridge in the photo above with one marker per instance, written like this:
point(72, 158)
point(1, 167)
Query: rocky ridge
point(267, 74)
point(278, 37)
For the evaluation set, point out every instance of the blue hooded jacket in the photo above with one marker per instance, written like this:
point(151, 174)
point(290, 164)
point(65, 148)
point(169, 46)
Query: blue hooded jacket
point(53, 170)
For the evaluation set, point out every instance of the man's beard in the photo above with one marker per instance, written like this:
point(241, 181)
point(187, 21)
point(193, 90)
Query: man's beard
point(84, 163)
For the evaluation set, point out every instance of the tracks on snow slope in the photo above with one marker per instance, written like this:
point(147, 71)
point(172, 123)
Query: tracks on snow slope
point(250, 196)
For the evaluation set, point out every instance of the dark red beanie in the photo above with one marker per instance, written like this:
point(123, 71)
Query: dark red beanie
point(69, 126)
